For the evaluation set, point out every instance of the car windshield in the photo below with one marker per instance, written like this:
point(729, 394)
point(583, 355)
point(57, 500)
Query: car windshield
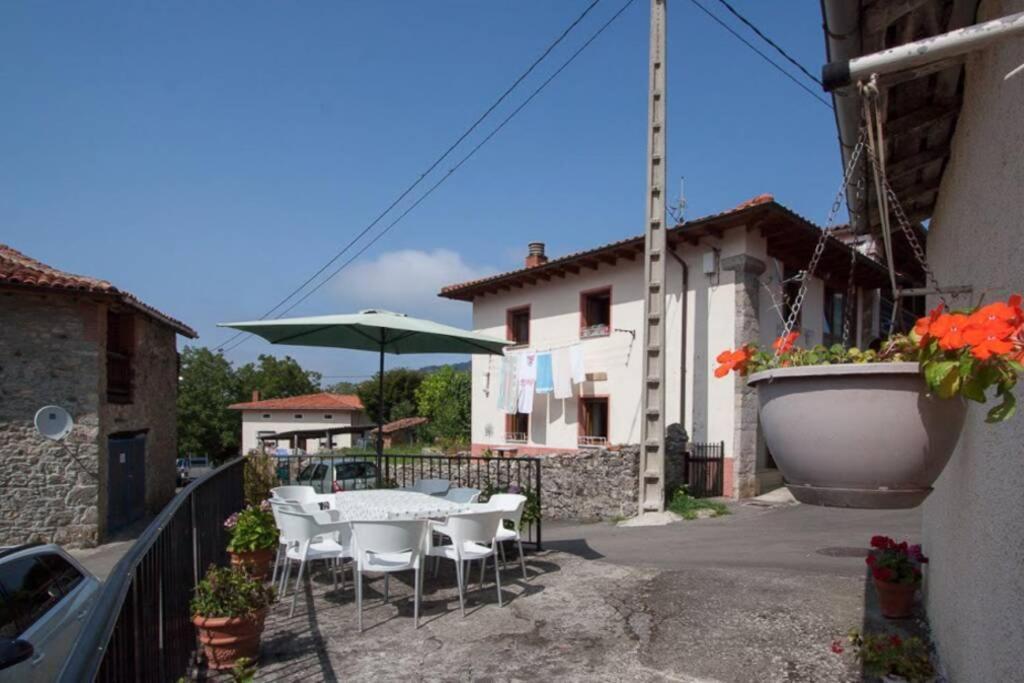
point(313, 471)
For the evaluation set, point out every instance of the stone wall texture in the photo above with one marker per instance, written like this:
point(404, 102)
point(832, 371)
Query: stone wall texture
point(52, 351)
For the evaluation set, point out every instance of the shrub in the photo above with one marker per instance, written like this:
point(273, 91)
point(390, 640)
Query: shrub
point(687, 507)
point(889, 654)
point(230, 592)
point(252, 529)
point(259, 477)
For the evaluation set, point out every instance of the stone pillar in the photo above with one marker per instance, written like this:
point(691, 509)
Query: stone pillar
point(746, 428)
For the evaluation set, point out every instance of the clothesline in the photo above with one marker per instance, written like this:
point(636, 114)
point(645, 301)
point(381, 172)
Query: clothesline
point(560, 345)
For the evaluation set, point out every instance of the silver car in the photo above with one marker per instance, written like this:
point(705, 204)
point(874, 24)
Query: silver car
point(45, 595)
point(333, 475)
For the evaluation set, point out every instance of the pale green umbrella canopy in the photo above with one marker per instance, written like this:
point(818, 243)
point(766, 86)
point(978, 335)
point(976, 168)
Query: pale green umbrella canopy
point(373, 330)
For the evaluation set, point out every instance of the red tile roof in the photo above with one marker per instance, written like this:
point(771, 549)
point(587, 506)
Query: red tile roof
point(19, 270)
point(404, 423)
point(791, 238)
point(321, 401)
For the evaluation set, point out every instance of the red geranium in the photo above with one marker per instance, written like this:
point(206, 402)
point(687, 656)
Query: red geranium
point(894, 562)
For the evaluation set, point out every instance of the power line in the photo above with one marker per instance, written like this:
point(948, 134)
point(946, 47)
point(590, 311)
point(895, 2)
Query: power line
point(771, 42)
point(762, 54)
point(464, 159)
point(429, 169)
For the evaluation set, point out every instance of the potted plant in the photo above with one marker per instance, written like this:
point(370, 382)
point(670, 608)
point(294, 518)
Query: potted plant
point(896, 571)
point(254, 539)
point(229, 608)
point(890, 657)
point(874, 429)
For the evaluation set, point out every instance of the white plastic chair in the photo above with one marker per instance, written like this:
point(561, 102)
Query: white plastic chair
point(462, 495)
point(312, 536)
point(474, 537)
point(388, 547)
point(282, 541)
point(298, 494)
point(433, 487)
point(512, 506)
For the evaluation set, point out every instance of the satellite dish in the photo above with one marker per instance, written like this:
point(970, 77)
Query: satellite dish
point(53, 422)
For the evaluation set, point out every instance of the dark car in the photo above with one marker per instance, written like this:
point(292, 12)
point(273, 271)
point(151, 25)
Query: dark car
point(332, 475)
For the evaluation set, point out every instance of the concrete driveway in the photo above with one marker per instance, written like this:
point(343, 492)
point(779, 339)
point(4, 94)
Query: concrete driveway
point(756, 596)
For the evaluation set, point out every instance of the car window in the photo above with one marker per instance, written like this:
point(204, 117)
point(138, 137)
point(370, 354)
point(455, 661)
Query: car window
point(369, 470)
point(64, 573)
point(29, 590)
point(306, 473)
point(348, 470)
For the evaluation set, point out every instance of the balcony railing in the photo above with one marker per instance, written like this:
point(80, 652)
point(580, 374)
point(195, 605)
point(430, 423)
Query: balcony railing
point(592, 441)
point(594, 331)
point(515, 437)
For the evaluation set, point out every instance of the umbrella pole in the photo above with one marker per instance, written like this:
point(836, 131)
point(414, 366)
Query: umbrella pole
point(380, 414)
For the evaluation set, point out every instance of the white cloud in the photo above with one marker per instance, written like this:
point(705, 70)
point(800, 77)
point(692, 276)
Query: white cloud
point(407, 281)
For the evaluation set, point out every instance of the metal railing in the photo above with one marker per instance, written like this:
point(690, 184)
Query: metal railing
point(140, 628)
point(515, 437)
point(490, 474)
point(591, 441)
point(704, 469)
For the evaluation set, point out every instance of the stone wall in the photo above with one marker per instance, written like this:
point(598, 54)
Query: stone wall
point(49, 354)
point(153, 409)
point(584, 485)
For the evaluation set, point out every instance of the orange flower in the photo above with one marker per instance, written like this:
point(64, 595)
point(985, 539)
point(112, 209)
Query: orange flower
point(989, 339)
point(949, 330)
point(923, 326)
point(784, 344)
point(732, 360)
point(998, 313)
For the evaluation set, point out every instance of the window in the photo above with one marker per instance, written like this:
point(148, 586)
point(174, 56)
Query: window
point(517, 322)
point(517, 428)
point(596, 313)
point(328, 416)
point(120, 347)
point(266, 416)
point(65, 574)
point(791, 281)
point(298, 416)
point(593, 421)
point(835, 314)
point(30, 591)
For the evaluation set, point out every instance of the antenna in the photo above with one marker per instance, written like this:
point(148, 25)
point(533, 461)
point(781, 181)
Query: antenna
point(682, 199)
point(53, 423)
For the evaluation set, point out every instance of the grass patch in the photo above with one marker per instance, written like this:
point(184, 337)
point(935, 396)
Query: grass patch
point(688, 507)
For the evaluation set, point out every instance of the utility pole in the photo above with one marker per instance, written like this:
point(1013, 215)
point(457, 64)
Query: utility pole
point(652, 437)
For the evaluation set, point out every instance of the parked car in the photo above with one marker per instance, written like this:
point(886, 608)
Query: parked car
point(45, 596)
point(333, 475)
point(191, 468)
point(183, 471)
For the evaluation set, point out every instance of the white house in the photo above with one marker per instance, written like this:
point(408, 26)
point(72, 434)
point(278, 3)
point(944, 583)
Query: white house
point(307, 423)
point(955, 153)
point(730, 277)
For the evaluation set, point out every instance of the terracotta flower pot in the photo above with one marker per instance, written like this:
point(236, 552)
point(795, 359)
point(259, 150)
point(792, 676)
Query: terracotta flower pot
point(255, 562)
point(227, 639)
point(859, 436)
point(895, 600)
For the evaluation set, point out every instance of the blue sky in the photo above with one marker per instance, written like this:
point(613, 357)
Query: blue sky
point(209, 157)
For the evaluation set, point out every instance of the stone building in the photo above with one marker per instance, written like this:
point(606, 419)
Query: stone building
point(111, 361)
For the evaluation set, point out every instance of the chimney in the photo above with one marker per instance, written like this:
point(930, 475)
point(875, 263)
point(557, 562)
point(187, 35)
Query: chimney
point(255, 395)
point(536, 256)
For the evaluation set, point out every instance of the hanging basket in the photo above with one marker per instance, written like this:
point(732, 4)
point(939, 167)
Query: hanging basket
point(857, 435)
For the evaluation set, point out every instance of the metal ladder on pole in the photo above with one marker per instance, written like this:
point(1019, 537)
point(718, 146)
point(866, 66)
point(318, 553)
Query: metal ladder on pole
point(652, 437)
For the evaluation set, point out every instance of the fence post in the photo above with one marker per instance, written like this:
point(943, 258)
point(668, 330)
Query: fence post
point(540, 514)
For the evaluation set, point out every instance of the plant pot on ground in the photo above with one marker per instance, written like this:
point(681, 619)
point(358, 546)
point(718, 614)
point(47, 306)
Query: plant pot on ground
point(253, 540)
point(896, 572)
point(229, 608)
point(874, 429)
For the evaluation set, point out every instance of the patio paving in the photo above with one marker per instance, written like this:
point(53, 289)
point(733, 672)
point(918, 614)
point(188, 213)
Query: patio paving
point(756, 596)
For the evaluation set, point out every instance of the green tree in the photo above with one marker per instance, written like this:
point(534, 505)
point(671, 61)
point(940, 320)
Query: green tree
point(275, 378)
point(205, 424)
point(444, 398)
point(343, 388)
point(400, 387)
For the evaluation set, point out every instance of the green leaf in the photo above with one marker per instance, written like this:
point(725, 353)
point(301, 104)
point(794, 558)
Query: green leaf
point(935, 373)
point(966, 366)
point(950, 385)
point(1005, 410)
point(974, 390)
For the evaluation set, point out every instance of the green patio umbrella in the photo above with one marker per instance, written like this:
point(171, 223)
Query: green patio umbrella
point(373, 330)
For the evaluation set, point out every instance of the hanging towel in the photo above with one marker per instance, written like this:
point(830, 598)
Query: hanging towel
point(545, 381)
point(527, 371)
point(508, 392)
point(561, 374)
point(576, 369)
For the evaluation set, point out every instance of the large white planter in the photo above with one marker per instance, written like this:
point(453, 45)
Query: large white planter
point(857, 436)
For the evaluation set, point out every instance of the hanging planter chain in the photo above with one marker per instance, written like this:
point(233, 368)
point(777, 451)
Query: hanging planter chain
point(819, 248)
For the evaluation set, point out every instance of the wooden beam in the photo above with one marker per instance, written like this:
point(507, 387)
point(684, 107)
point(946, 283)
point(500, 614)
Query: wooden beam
point(878, 16)
point(921, 120)
point(914, 163)
point(590, 263)
point(610, 259)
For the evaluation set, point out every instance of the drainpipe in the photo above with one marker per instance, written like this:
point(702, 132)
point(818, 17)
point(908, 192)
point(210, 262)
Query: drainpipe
point(682, 357)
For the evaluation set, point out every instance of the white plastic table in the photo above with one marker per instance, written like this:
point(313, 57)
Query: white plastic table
point(378, 505)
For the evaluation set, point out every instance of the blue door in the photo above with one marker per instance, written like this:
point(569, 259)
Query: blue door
point(126, 481)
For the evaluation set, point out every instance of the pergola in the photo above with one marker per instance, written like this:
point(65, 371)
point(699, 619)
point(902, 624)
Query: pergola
point(297, 436)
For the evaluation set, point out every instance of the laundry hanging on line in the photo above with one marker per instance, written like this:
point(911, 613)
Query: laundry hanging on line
point(526, 372)
point(527, 369)
point(561, 373)
point(545, 382)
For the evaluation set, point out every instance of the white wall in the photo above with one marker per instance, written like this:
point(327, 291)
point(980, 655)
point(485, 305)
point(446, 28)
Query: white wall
point(254, 422)
point(973, 526)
